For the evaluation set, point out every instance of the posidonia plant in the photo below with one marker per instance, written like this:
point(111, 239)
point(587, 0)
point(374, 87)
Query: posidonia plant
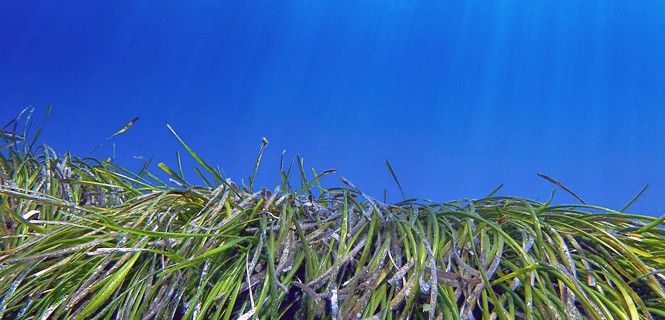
point(87, 239)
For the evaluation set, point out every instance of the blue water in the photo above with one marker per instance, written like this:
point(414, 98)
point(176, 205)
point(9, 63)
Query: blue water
point(459, 95)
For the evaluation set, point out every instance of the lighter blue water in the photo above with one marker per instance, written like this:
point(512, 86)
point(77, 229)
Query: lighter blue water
point(459, 95)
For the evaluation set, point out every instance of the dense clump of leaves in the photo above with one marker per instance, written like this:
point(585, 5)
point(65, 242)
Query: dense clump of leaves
point(86, 239)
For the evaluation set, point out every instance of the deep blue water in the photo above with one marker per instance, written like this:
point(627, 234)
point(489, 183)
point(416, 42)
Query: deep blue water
point(459, 95)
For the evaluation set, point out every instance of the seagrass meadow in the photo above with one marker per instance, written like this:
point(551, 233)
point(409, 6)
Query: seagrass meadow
point(83, 238)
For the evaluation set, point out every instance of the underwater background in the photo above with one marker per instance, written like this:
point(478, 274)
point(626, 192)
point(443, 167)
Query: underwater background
point(460, 96)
